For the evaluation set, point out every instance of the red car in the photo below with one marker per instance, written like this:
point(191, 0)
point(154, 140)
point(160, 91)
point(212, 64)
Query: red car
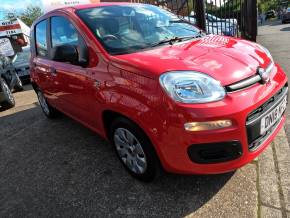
point(165, 94)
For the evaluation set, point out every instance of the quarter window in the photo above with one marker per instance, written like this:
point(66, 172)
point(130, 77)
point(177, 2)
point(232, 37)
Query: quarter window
point(63, 32)
point(40, 38)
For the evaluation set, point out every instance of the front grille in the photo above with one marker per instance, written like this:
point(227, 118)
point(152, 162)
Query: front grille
point(253, 122)
point(264, 107)
point(249, 81)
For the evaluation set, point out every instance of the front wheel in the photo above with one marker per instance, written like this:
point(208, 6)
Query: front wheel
point(135, 150)
point(8, 98)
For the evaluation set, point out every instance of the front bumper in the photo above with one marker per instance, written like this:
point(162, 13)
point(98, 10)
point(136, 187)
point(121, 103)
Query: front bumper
point(173, 143)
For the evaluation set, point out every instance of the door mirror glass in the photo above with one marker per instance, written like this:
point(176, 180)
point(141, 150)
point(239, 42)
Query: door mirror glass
point(71, 54)
point(65, 53)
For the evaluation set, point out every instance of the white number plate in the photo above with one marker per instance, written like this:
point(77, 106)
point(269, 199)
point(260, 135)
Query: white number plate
point(273, 116)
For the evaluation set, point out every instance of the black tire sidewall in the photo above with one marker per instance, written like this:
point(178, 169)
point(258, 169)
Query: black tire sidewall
point(52, 113)
point(18, 86)
point(7, 103)
point(153, 166)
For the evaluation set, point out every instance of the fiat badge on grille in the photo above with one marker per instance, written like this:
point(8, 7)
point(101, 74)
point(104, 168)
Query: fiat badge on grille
point(265, 78)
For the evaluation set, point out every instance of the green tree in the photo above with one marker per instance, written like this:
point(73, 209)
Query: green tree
point(265, 5)
point(30, 14)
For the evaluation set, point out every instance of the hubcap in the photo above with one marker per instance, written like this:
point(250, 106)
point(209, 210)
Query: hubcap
point(130, 150)
point(42, 102)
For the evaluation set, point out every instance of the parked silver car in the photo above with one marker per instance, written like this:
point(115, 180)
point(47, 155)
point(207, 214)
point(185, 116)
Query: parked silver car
point(21, 64)
point(215, 25)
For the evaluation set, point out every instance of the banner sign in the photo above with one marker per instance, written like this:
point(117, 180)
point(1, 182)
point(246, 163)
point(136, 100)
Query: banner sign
point(49, 5)
point(6, 48)
point(9, 27)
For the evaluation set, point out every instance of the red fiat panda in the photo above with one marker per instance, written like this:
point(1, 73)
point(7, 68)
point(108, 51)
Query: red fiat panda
point(165, 94)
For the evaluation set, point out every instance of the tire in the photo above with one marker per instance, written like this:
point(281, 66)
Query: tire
point(134, 150)
point(8, 101)
point(18, 86)
point(48, 111)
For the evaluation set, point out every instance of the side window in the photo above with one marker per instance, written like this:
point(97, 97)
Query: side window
point(63, 32)
point(40, 39)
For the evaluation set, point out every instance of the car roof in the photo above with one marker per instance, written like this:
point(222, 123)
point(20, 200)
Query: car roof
point(79, 7)
point(102, 4)
point(94, 5)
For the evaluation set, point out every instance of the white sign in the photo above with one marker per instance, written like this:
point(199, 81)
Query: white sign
point(6, 48)
point(9, 27)
point(49, 5)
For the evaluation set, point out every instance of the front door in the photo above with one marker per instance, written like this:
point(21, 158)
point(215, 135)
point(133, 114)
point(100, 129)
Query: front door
point(70, 80)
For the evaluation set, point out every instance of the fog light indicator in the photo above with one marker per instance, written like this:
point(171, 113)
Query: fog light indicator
point(209, 125)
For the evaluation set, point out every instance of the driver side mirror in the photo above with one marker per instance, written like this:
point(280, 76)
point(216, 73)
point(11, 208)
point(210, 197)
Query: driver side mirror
point(69, 53)
point(65, 53)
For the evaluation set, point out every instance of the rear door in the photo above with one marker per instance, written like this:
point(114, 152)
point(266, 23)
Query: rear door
point(41, 63)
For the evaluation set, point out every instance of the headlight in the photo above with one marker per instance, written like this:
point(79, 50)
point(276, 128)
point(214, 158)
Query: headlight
point(191, 87)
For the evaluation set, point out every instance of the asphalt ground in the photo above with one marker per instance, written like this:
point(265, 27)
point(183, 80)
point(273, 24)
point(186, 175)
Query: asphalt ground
point(59, 168)
point(276, 37)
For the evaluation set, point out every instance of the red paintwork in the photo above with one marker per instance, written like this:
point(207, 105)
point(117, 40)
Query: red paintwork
point(129, 86)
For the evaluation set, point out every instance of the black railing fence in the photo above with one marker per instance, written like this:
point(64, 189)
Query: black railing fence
point(224, 17)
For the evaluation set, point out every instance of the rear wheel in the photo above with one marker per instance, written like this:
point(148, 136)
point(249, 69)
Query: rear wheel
point(135, 150)
point(48, 111)
point(8, 98)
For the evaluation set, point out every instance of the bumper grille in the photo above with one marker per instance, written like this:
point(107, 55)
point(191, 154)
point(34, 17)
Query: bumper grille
point(253, 122)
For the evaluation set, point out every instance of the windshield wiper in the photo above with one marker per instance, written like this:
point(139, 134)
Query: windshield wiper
point(177, 21)
point(176, 39)
point(164, 41)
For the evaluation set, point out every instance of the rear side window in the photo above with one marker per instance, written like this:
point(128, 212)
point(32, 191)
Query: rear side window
point(63, 32)
point(40, 38)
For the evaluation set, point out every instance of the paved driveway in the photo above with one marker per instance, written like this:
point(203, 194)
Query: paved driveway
point(60, 168)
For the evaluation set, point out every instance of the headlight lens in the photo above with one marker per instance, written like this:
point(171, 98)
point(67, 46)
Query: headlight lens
point(191, 87)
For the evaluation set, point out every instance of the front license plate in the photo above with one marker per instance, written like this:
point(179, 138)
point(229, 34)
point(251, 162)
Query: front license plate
point(273, 116)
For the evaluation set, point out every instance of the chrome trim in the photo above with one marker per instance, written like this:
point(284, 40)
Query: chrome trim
point(250, 80)
point(269, 68)
point(269, 109)
point(244, 83)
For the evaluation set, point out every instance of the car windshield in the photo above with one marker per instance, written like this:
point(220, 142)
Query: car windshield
point(123, 29)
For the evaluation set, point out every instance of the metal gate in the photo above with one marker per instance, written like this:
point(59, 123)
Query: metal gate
point(223, 17)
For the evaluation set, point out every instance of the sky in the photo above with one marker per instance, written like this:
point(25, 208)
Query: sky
point(18, 5)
